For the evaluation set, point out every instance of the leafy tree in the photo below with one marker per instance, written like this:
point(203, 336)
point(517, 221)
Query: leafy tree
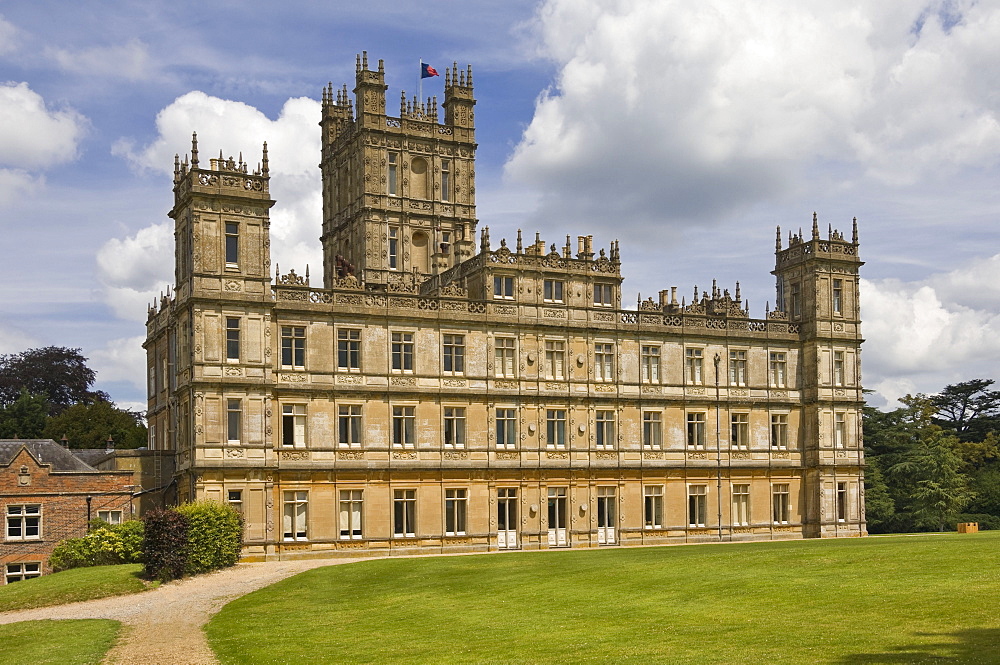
point(24, 418)
point(969, 408)
point(58, 373)
point(90, 425)
point(880, 508)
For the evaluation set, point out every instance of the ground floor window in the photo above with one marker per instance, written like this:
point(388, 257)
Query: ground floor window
point(455, 510)
point(16, 572)
point(606, 515)
point(779, 501)
point(558, 515)
point(741, 505)
point(295, 515)
point(110, 516)
point(507, 517)
point(697, 504)
point(350, 513)
point(235, 499)
point(404, 513)
point(653, 507)
point(841, 502)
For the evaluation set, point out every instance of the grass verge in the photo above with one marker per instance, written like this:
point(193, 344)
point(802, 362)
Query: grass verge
point(77, 642)
point(71, 586)
point(874, 600)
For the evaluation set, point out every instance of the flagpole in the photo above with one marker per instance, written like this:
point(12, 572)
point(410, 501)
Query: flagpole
point(420, 81)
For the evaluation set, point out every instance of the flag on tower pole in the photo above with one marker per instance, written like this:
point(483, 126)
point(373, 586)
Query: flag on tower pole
point(426, 71)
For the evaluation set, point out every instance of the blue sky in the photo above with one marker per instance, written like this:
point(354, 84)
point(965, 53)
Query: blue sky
point(686, 130)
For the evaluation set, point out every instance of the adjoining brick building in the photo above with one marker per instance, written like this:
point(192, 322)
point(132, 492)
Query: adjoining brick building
point(48, 494)
point(442, 393)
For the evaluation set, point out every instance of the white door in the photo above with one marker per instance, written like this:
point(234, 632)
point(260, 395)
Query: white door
point(507, 518)
point(558, 517)
point(605, 515)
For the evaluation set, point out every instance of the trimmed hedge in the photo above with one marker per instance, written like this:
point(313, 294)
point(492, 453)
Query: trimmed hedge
point(165, 544)
point(191, 539)
point(106, 545)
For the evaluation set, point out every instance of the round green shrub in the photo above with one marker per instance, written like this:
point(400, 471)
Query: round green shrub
point(108, 545)
point(214, 538)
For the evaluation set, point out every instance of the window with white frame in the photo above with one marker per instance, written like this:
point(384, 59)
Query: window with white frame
point(604, 361)
point(506, 424)
point(503, 356)
point(555, 359)
point(741, 504)
point(110, 516)
point(18, 572)
point(293, 346)
point(503, 287)
point(349, 425)
point(779, 431)
point(392, 180)
point(737, 368)
point(779, 503)
point(235, 499)
point(839, 429)
point(841, 502)
point(402, 351)
point(739, 430)
point(24, 521)
point(232, 244)
point(404, 513)
point(838, 368)
point(693, 361)
point(454, 427)
point(455, 510)
point(349, 350)
point(351, 511)
point(295, 515)
point(234, 420)
point(649, 356)
point(604, 426)
point(403, 426)
point(697, 505)
point(652, 513)
point(604, 295)
point(293, 425)
point(555, 428)
point(393, 250)
point(454, 354)
point(779, 368)
point(838, 296)
point(652, 429)
point(696, 429)
point(552, 290)
point(446, 180)
point(233, 338)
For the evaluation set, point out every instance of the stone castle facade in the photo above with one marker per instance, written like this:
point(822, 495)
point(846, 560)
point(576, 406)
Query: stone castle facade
point(443, 393)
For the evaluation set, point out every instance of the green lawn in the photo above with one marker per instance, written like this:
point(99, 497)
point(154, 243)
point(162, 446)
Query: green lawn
point(72, 585)
point(82, 642)
point(874, 600)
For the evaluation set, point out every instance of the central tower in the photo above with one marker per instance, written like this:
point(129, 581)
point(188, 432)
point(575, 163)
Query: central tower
point(398, 192)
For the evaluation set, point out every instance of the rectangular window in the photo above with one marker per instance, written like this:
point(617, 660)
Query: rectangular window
point(152, 380)
point(454, 354)
point(555, 428)
point(235, 499)
point(838, 296)
point(604, 362)
point(110, 516)
point(605, 429)
point(606, 513)
point(296, 505)
point(737, 368)
point(392, 180)
point(446, 180)
point(552, 290)
point(652, 429)
point(293, 346)
point(741, 505)
point(739, 426)
point(349, 349)
point(779, 431)
point(779, 364)
point(652, 514)
point(393, 248)
point(403, 423)
point(24, 522)
point(18, 572)
point(349, 425)
point(796, 301)
point(841, 502)
point(838, 368)
point(779, 503)
point(555, 359)
point(232, 244)
point(503, 348)
point(650, 364)
point(839, 429)
point(234, 417)
point(503, 287)
point(604, 295)
point(506, 423)
point(455, 509)
point(693, 366)
point(350, 514)
point(293, 425)
point(232, 338)
point(696, 430)
point(404, 513)
point(697, 505)
point(454, 427)
point(402, 351)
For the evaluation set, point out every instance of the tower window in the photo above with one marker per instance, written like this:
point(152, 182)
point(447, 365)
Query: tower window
point(446, 180)
point(232, 338)
point(838, 296)
point(392, 186)
point(232, 244)
point(393, 248)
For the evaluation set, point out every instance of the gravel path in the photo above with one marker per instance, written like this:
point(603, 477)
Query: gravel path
point(164, 626)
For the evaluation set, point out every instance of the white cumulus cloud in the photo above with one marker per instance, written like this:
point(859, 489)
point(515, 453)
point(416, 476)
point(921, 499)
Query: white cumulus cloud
point(130, 60)
point(31, 135)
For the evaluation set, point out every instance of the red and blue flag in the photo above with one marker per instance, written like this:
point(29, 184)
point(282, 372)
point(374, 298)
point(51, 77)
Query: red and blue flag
point(426, 71)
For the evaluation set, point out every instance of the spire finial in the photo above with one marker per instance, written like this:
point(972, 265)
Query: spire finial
point(264, 170)
point(194, 150)
point(777, 240)
point(815, 227)
point(519, 246)
point(854, 235)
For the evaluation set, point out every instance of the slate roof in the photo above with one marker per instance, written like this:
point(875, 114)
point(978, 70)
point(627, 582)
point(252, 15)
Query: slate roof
point(45, 451)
